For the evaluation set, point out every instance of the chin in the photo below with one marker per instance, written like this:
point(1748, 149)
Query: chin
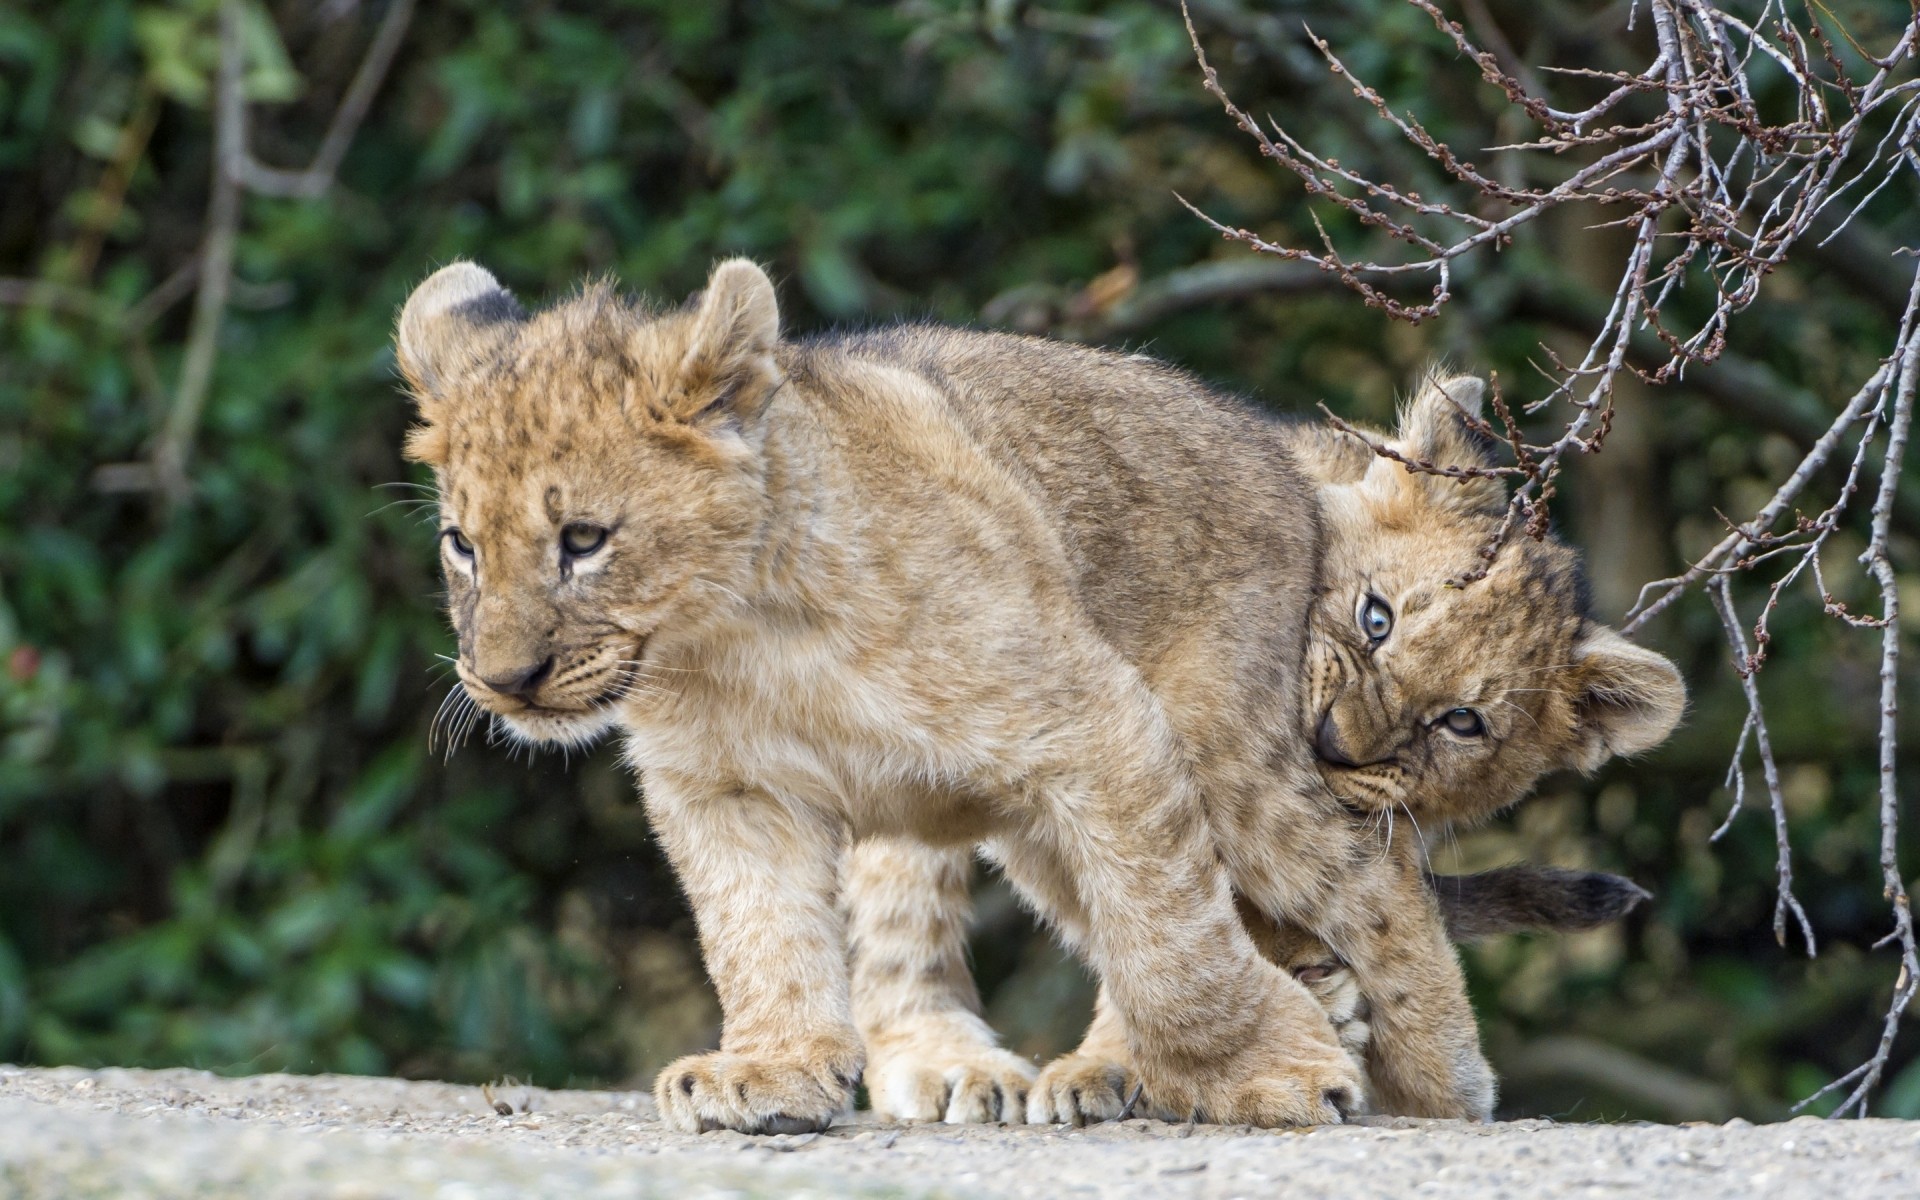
point(547, 727)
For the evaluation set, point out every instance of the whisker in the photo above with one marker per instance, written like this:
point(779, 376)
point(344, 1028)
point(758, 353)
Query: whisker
point(1420, 836)
point(742, 600)
point(1523, 712)
point(472, 714)
point(447, 703)
point(647, 666)
point(413, 502)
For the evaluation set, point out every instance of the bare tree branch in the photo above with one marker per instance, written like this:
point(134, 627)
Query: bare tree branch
point(210, 272)
point(174, 447)
point(318, 176)
point(1716, 192)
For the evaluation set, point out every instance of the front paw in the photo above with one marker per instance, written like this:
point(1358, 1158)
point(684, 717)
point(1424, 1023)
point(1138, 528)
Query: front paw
point(1283, 1094)
point(945, 1067)
point(756, 1094)
point(1076, 1089)
point(1290, 1070)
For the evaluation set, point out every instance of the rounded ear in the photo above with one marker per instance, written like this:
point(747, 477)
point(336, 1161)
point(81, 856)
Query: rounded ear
point(1629, 699)
point(729, 368)
point(447, 324)
point(441, 320)
point(1434, 428)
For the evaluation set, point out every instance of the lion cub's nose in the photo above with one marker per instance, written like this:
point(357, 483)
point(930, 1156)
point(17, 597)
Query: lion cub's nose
point(521, 681)
point(1326, 743)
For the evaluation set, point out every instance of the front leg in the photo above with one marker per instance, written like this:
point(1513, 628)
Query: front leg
point(930, 1056)
point(1329, 980)
point(762, 877)
point(1117, 851)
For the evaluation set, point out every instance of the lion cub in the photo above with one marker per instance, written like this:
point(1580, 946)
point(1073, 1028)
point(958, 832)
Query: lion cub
point(952, 588)
point(1425, 704)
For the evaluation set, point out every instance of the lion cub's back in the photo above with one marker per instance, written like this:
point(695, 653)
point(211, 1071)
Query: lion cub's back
point(1173, 501)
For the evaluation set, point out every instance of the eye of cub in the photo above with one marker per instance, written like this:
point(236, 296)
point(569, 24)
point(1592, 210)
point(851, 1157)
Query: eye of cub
point(1376, 618)
point(580, 539)
point(461, 545)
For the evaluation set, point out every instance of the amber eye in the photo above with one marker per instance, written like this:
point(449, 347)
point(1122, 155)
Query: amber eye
point(1465, 722)
point(580, 539)
point(1376, 619)
point(461, 545)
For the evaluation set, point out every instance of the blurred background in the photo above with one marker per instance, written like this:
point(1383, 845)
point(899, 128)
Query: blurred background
point(224, 838)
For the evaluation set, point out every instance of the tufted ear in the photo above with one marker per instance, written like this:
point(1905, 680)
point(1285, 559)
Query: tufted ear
point(1629, 698)
point(449, 322)
point(729, 368)
point(1434, 428)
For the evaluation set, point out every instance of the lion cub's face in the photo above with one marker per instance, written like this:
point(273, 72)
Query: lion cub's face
point(1449, 703)
point(599, 480)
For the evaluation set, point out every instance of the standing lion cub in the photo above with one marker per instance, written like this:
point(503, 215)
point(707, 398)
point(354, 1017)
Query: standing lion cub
point(955, 588)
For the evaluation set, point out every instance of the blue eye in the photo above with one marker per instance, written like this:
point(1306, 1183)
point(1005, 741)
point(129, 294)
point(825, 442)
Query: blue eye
point(461, 545)
point(1376, 619)
point(1464, 722)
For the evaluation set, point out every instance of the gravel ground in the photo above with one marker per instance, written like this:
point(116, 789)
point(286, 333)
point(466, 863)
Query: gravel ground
point(72, 1133)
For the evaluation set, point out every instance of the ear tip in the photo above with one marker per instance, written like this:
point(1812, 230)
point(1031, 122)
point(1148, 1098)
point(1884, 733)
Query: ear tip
point(449, 287)
point(1465, 390)
point(737, 274)
point(739, 303)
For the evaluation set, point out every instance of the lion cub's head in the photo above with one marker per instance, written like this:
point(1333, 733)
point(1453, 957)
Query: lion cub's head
point(1450, 702)
point(599, 476)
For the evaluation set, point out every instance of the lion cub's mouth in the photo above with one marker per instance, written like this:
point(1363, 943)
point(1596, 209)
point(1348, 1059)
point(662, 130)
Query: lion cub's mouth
point(622, 669)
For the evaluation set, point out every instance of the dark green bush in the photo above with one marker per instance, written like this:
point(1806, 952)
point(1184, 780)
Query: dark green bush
point(225, 839)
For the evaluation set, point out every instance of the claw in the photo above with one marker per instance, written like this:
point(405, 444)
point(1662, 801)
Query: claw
point(784, 1123)
point(1341, 1101)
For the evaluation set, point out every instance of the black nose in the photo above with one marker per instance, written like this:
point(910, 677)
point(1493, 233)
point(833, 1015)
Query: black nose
point(520, 682)
point(1326, 743)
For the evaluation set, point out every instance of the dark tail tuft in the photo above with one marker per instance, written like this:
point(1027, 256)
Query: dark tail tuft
point(1527, 897)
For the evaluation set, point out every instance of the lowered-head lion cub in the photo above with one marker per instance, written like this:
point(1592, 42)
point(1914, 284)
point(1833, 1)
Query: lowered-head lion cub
point(954, 587)
point(1427, 705)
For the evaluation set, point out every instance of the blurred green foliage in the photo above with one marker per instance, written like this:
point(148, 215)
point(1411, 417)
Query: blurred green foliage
point(224, 838)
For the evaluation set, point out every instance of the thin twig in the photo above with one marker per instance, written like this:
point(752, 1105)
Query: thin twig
point(318, 176)
point(174, 449)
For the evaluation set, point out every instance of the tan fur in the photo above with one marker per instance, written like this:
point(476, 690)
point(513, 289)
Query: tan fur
point(944, 587)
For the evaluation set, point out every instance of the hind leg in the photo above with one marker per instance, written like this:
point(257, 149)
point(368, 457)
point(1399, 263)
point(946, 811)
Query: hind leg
point(1380, 919)
point(1325, 975)
point(930, 1056)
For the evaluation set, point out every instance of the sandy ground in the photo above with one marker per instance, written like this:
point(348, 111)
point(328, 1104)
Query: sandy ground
point(68, 1132)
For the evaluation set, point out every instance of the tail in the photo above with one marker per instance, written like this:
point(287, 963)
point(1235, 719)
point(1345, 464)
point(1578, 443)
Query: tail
point(1527, 897)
